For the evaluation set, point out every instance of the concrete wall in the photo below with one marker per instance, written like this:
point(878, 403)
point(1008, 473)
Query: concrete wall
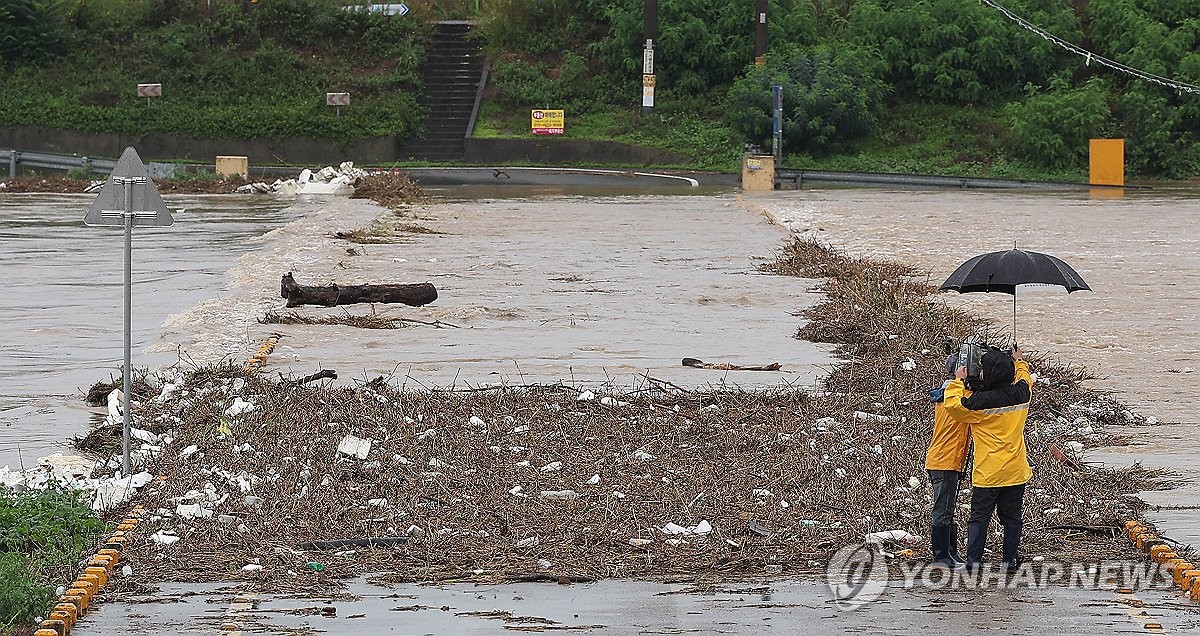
point(565, 152)
point(156, 147)
point(303, 151)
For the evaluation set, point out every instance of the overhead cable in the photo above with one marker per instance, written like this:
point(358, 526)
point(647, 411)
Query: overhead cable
point(1090, 57)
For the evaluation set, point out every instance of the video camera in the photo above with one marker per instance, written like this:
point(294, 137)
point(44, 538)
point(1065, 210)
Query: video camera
point(970, 355)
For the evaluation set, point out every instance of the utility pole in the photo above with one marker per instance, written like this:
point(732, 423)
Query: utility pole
point(760, 32)
point(650, 22)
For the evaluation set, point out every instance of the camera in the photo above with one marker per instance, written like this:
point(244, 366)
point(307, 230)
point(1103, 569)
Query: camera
point(970, 355)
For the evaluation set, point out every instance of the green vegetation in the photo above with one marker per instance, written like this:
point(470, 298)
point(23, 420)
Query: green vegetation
point(931, 86)
point(42, 537)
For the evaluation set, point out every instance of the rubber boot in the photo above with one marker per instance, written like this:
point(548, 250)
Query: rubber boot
point(939, 542)
point(952, 547)
point(1012, 540)
point(976, 539)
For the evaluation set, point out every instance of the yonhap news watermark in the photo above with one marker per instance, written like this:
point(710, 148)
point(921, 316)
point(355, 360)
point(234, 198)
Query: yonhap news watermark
point(859, 574)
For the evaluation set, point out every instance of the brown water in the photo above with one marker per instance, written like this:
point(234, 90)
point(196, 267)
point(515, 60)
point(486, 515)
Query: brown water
point(62, 306)
point(1140, 255)
point(588, 290)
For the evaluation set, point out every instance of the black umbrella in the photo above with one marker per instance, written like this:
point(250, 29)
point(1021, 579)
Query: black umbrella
point(1003, 271)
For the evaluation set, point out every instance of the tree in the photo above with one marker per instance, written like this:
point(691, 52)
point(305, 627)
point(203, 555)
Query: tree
point(831, 98)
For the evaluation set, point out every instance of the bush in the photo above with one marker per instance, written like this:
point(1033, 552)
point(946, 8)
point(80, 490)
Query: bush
point(31, 29)
point(1052, 128)
point(42, 536)
point(831, 97)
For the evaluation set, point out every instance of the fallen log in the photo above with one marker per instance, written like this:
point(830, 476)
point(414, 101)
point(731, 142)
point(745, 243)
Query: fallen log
point(725, 366)
point(414, 294)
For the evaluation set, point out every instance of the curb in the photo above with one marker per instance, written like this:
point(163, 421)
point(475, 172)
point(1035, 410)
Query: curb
point(259, 359)
point(73, 604)
point(1185, 574)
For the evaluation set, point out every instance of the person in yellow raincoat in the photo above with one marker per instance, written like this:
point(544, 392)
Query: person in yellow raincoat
point(997, 415)
point(945, 461)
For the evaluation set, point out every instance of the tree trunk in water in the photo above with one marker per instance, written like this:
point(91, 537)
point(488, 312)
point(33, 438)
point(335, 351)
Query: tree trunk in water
point(414, 294)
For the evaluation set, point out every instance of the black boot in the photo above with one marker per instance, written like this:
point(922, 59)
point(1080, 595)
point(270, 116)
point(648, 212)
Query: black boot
point(976, 538)
point(939, 542)
point(952, 547)
point(1012, 540)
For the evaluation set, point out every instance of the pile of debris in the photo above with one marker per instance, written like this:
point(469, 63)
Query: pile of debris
point(294, 486)
point(326, 181)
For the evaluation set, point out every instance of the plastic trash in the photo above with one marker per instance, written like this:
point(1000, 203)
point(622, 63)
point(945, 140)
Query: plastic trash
point(902, 536)
point(315, 566)
point(354, 446)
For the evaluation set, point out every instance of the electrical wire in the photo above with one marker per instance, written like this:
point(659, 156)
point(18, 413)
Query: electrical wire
point(1092, 57)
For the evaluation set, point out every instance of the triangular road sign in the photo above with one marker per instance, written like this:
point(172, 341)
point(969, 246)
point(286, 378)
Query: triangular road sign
point(146, 204)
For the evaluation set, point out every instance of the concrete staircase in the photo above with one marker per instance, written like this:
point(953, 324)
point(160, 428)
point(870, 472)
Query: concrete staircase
point(452, 72)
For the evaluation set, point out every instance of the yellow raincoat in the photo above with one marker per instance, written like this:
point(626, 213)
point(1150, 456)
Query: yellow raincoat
point(948, 446)
point(998, 434)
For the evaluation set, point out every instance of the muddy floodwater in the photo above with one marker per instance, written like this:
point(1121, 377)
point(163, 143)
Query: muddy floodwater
point(62, 309)
point(1140, 254)
point(562, 285)
point(534, 288)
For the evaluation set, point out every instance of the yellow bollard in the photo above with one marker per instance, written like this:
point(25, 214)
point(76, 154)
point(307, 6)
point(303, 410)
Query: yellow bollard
point(113, 553)
point(58, 626)
point(98, 572)
point(1187, 579)
point(94, 579)
point(1157, 551)
point(1178, 570)
point(84, 597)
point(67, 608)
point(59, 615)
point(75, 599)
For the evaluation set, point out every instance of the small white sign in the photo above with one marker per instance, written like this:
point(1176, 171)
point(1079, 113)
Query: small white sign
point(149, 90)
point(648, 61)
point(337, 99)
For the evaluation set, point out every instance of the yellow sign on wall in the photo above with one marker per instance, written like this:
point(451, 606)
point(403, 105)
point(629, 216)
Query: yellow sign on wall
point(547, 122)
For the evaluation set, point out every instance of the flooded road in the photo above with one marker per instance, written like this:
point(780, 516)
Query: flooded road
point(63, 301)
point(548, 285)
point(1140, 255)
point(535, 290)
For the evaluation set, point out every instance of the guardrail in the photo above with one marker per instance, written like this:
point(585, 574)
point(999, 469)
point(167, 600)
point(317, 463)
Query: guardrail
point(795, 179)
point(30, 159)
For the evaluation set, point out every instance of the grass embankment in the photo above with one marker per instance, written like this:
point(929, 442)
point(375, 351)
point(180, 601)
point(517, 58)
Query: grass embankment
point(42, 537)
point(555, 482)
point(912, 138)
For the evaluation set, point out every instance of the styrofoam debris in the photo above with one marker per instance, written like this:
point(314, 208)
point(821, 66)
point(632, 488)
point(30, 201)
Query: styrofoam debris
point(251, 567)
point(586, 396)
point(476, 421)
point(642, 455)
point(354, 446)
point(162, 537)
point(551, 467)
point(699, 529)
point(528, 542)
point(863, 416)
point(610, 401)
point(239, 407)
point(640, 543)
point(559, 494)
point(594, 481)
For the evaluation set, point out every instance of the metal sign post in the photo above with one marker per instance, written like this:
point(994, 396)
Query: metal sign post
point(777, 125)
point(128, 198)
